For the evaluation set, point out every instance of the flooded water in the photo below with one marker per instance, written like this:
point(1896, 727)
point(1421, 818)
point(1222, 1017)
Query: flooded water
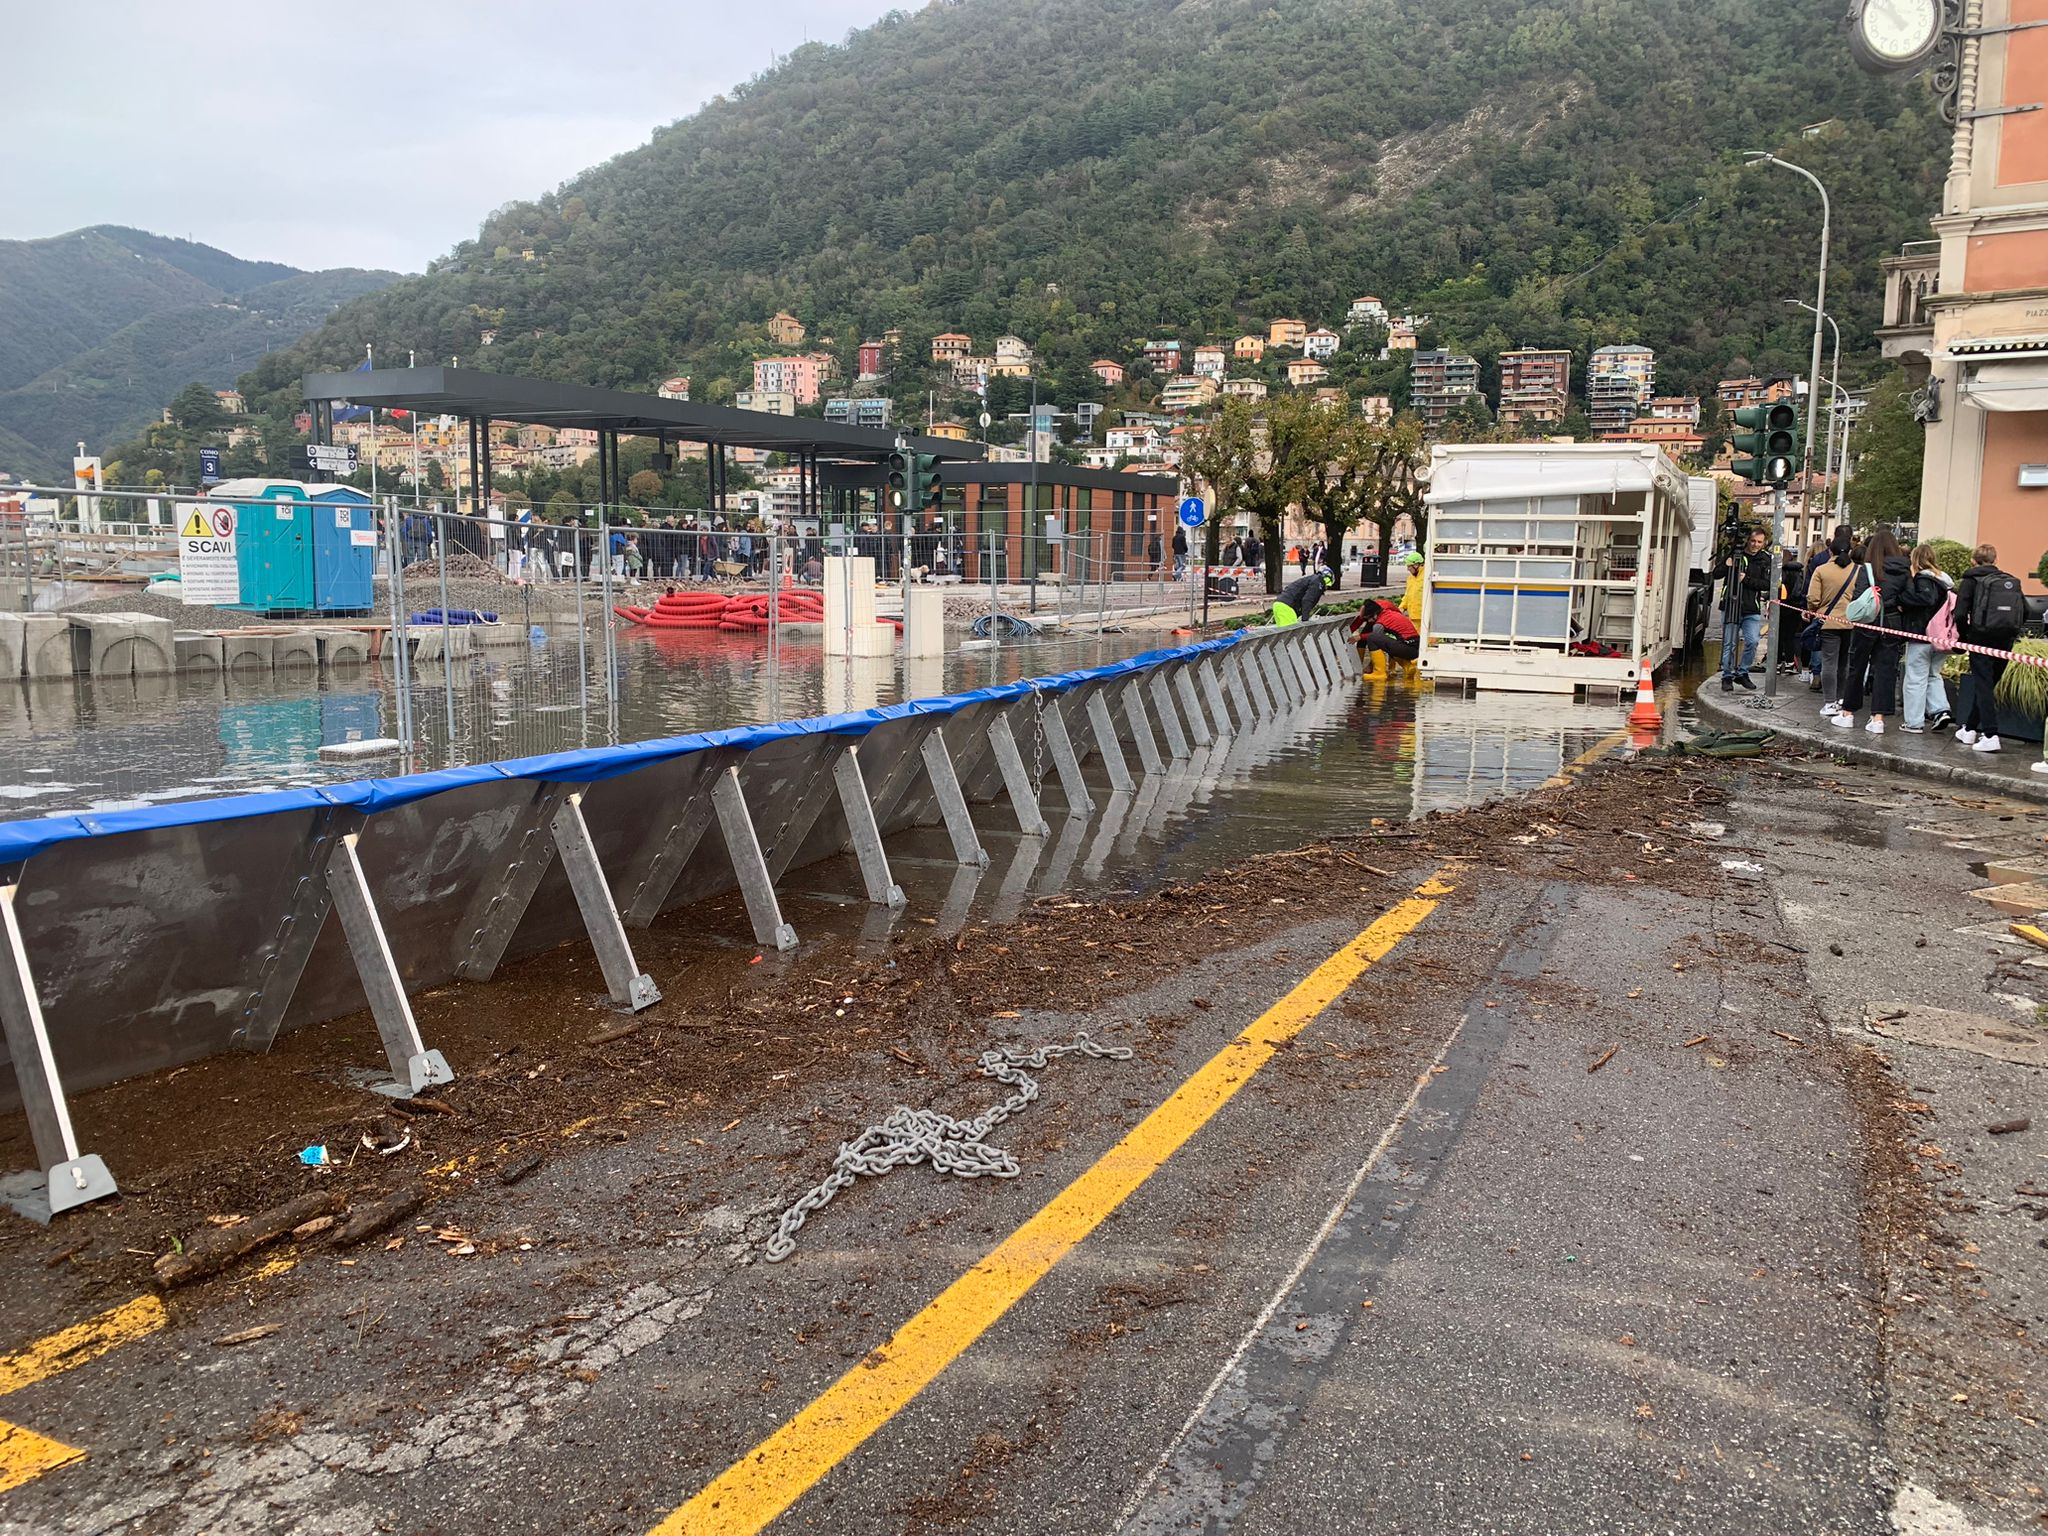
point(1384, 750)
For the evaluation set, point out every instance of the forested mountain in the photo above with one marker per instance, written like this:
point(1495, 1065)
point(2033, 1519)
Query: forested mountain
point(1086, 173)
point(98, 328)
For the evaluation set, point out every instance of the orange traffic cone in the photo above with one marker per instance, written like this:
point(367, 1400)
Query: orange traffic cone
point(1645, 714)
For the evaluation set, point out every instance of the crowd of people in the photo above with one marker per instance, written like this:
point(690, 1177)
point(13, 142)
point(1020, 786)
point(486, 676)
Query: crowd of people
point(1868, 625)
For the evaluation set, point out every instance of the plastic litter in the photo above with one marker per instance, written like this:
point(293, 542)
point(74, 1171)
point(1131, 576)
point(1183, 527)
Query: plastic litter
point(316, 1157)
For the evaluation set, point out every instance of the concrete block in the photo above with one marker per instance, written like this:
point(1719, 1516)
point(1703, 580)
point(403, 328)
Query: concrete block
point(198, 652)
point(343, 648)
point(242, 651)
point(2021, 898)
point(100, 644)
point(300, 648)
point(497, 634)
point(12, 632)
point(435, 644)
point(46, 646)
point(149, 650)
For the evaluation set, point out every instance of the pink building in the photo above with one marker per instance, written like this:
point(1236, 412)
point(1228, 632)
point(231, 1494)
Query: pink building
point(797, 377)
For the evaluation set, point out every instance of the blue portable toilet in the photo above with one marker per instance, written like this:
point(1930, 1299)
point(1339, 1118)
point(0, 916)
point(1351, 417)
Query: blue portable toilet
point(273, 542)
point(344, 550)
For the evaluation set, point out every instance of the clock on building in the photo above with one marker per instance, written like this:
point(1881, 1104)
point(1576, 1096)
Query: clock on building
point(1887, 36)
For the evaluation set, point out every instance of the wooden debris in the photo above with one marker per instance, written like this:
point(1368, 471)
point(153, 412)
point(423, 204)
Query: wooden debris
point(1604, 1057)
point(366, 1221)
point(215, 1249)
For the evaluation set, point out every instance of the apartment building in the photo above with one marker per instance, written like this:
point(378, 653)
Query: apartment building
point(1535, 388)
point(770, 402)
point(1320, 344)
point(1366, 311)
point(1209, 362)
point(859, 410)
point(1286, 333)
point(950, 346)
point(1107, 369)
point(1245, 389)
point(785, 330)
point(1439, 381)
point(1192, 393)
point(795, 376)
point(1249, 349)
point(1305, 370)
point(1619, 382)
point(1164, 356)
point(869, 363)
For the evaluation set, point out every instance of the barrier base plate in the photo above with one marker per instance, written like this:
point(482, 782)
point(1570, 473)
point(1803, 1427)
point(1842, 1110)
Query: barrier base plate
point(40, 1196)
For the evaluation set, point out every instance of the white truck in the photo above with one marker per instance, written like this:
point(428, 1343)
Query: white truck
point(1556, 567)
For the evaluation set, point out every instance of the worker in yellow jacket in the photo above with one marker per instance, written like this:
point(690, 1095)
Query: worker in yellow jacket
point(1411, 604)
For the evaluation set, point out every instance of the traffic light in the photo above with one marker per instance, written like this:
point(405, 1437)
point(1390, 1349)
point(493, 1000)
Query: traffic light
point(1767, 453)
point(902, 470)
point(925, 480)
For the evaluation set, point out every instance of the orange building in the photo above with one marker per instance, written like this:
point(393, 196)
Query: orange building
point(1969, 315)
point(950, 346)
point(1286, 333)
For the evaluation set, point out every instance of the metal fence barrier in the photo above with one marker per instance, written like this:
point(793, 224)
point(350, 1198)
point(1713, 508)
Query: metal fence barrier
point(143, 938)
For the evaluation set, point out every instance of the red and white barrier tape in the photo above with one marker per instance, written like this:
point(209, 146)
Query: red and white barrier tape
point(1907, 634)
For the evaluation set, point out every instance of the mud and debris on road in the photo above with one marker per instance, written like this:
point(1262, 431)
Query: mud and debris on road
point(1693, 1139)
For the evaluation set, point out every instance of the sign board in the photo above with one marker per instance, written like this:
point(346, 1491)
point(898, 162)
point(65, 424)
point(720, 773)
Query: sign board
point(208, 569)
point(209, 466)
point(1192, 512)
point(325, 458)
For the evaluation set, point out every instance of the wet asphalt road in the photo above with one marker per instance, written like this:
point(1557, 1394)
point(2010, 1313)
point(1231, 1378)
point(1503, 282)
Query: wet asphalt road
point(1629, 1299)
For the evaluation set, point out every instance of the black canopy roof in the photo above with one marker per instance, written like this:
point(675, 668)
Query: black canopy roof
point(468, 392)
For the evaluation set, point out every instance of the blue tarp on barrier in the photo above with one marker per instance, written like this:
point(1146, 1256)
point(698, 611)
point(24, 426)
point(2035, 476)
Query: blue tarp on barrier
point(21, 840)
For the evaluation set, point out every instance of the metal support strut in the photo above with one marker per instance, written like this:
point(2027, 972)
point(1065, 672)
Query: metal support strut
point(1191, 705)
point(70, 1178)
point(413, 1067)
point(630, 987)
point(1141, 728)
point(756, 886)
point(862, 831)
point(1112, 750)
point(1169, 717)
point(938, 767)
point(1065, 761)
point(1016, 778)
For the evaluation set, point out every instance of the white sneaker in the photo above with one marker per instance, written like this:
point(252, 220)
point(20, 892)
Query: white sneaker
point(1874, 725)
point(1844, 720)
point(2042, 766)
point(1832, 708)
point(1965, 737)
point(1986, 744)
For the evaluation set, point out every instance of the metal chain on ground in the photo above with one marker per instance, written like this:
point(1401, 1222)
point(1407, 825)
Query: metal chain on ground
point(951, 1146)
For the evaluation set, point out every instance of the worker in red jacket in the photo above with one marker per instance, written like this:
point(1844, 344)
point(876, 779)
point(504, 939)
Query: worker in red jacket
point(1383, 628)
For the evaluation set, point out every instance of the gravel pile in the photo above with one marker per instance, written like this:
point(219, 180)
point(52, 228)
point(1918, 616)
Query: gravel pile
point(462, 566)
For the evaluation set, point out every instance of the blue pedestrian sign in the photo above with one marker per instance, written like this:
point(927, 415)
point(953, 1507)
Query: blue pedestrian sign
point(1191, 511)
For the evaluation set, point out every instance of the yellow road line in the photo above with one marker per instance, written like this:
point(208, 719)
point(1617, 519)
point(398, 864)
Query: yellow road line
point(777, 1472)
point(1586, 759)
point(73, 1346)
point(26, 1455)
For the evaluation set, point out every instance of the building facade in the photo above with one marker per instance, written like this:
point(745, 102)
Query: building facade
point(1366, 311)
point(1249, 349)
point(1320, 344)
point(949, 346)
point(870, 360)
point(1107, 369)
point(1439, 382)
point(1969, 317)
point(859, 410)
point(798, 377)
point(1209, 362)
point(785, 330)
point(1164, 356)
point(1286, 333)
point(1535, 388)
point(1619, 382)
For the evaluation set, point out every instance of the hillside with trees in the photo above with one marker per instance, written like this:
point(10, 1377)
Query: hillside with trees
point(1085, 175)
point(98, 328)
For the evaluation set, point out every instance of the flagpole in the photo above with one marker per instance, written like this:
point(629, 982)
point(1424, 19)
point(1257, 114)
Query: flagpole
point(370, 356)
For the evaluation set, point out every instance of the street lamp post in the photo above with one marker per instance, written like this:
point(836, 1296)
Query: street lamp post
point(1834, 495)
point(1820, 304)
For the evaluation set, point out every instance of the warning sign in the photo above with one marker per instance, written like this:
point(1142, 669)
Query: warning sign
point(208, 569)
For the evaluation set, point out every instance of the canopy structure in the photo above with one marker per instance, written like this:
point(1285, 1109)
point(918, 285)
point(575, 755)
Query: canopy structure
point(480, 398)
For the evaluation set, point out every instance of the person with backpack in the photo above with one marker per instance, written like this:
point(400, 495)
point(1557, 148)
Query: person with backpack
point(1990, 610)
point(1880, 605)
point(1927, 600)
point(1828, 592)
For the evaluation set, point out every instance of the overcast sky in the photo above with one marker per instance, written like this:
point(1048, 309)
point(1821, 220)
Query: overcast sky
point(353, 136)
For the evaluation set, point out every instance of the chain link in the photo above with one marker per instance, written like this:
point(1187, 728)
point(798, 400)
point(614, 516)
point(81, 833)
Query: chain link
point(1038, 742)
point(958, 1147)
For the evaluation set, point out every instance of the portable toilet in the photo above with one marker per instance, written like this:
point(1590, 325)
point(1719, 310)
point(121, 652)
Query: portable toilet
point(273, 542)
point(344, 550)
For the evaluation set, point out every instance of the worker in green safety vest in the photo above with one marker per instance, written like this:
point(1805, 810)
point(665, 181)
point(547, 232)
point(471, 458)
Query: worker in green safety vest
point(1298, 599)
